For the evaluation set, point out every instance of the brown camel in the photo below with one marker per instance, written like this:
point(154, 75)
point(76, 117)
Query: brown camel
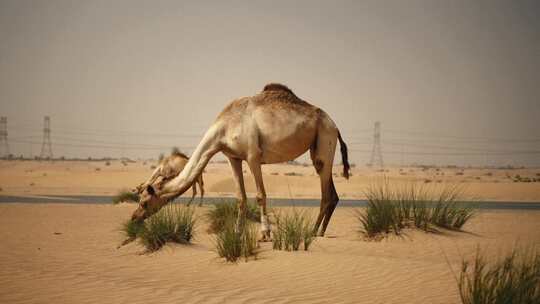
point(271, 127)
point(168, 168)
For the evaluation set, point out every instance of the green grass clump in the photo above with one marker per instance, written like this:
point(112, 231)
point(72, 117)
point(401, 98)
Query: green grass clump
point(220, 213)
point(125, 196)
point(514, 279)
point(232, 244)
point(173, 223)
point(390, 209)
point(292, 230)
point(132, 229)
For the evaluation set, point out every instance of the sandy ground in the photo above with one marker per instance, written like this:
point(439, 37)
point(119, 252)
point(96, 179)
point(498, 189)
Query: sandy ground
point(281, 181)
point(61, 253)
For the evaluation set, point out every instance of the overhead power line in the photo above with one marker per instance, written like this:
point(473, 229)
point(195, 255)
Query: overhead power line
point(113, 147)
point(467, 139)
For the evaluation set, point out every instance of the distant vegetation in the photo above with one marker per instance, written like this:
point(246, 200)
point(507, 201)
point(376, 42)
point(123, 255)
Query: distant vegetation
point(292, 174)
point(519, 179)
point(292, 230)
point(391, 209)
point(125, 196)
point(514, 279)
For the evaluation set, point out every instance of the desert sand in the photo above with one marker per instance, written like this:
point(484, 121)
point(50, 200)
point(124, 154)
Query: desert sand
point(281, 181)
point(61, 253)
point(67, 253)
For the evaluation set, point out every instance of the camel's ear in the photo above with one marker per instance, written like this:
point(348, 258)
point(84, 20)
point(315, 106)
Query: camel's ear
point(150, 190)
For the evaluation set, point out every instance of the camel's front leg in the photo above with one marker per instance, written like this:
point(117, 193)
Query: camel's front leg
point(236, 165)
point(255, 167)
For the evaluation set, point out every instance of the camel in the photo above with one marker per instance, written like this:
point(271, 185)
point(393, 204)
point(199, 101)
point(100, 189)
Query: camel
point(168, 168)
point(270, 127)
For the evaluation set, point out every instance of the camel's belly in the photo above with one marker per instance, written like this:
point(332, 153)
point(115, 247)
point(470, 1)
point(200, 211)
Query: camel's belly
point(285, 143)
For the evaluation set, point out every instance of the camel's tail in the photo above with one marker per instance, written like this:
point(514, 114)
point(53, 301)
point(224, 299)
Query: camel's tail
point(344, 157)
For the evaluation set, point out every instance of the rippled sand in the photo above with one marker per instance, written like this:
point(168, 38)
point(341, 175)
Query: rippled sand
point(61, 253)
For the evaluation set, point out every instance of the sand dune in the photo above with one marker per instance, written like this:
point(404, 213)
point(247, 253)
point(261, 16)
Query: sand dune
point(61, 253)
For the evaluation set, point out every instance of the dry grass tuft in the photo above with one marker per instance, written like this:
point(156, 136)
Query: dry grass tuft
point(391, 208)
point(514, 279)
point(292, 230)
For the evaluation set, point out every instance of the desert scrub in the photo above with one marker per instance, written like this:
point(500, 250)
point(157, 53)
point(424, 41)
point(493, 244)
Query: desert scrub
point(220, 213)
point(132, 229)
point(173, 223)
point(292, 230)
point(390, 208)
point(125, 196)
point(514, 279)
point(232, 244)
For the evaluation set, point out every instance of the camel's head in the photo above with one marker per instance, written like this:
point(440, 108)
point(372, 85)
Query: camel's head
point(149, 203)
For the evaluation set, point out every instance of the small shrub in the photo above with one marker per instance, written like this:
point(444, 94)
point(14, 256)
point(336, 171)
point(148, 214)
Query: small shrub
point(173, 223)
point(98, 169)
point(107, 163)
point(132, 229)
point(220, 213)
point(382, 215)
point(292, 230)
point(514, 279)
point(232, 244)
point(390, 209)
point(125, 196)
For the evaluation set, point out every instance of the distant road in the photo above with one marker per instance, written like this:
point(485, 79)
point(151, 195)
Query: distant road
point(101, 199)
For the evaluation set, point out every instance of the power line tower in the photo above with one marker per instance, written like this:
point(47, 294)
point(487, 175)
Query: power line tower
point(46, 147)
point(376, 153)
point(4, 137)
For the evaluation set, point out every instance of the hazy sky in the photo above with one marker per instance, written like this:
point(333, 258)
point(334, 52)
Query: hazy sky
point(452, 82)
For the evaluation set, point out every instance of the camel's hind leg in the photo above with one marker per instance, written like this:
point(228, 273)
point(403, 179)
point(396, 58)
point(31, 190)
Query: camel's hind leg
point(322, 155)
point(330, 207)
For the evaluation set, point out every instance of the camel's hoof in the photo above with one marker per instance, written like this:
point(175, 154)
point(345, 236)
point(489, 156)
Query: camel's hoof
point(264, 240)
point(265, 237)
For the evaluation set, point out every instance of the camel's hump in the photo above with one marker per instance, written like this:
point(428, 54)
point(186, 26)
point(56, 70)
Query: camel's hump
point(277, 87)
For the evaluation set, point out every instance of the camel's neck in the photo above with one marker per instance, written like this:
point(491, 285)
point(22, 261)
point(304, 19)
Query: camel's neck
point(209, 145)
